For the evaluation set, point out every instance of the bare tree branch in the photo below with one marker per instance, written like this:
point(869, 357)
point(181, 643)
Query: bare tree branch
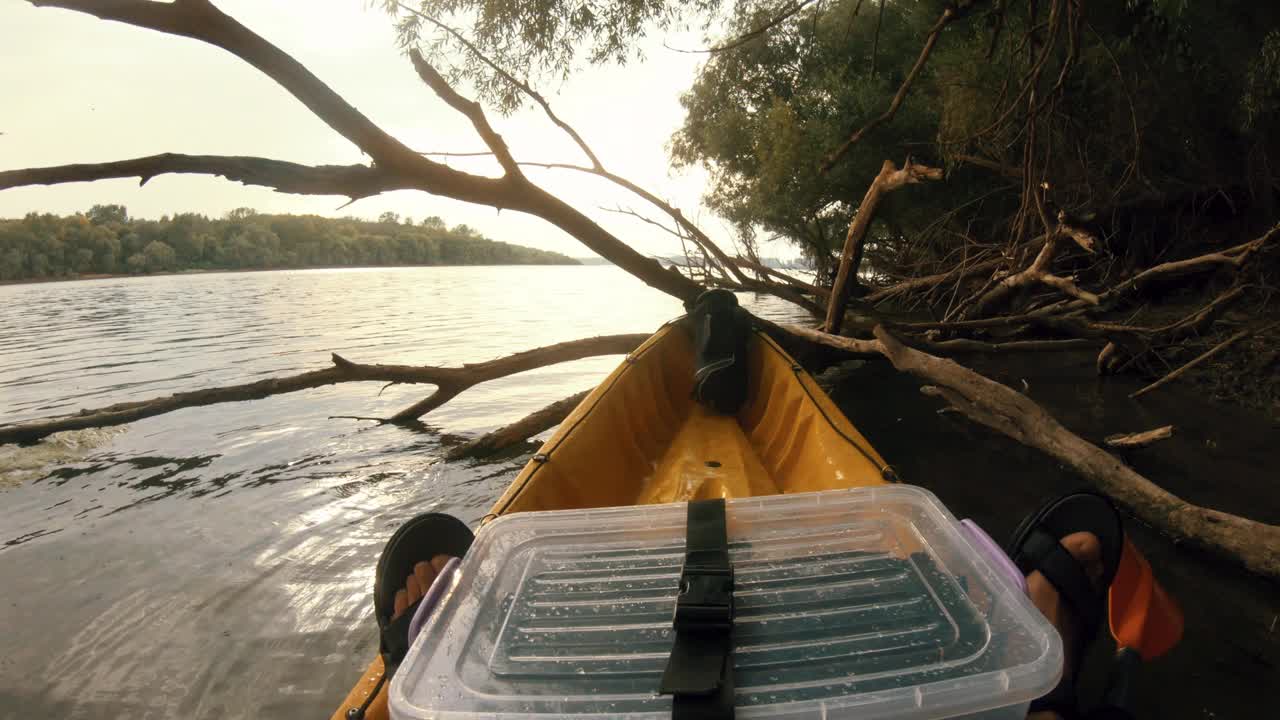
point(470, 109)
point(460, 379)
point(200, 20)
point(353, 181)
point(1200, 359)
point(521, 85)
point(1038, 272)
point(1133, 441)
point(890, 178)
point(450, 381)
point(597, 168)
point(767, 271)
point(1167, 272)
point(519, 431)
point(403, 167)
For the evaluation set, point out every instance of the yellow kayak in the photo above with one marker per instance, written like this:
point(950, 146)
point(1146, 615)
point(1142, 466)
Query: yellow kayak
point(640, 438)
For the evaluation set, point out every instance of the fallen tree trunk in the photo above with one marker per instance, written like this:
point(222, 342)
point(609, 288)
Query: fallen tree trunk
point(519, 431)
point(449, 382)
point(1249, 543)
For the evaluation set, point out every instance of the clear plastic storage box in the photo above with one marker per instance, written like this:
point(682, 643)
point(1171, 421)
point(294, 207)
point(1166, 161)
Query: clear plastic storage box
point(867, 603)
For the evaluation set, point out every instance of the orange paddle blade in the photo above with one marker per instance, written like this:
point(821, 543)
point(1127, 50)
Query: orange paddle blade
point(1143, 616)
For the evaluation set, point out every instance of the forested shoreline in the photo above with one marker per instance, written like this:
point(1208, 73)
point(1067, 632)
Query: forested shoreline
point(106, 241)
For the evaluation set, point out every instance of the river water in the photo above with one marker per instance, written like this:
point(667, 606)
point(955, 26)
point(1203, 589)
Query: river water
point(217, 562)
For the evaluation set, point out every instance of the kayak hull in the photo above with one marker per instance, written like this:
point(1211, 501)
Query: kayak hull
point(640, 438)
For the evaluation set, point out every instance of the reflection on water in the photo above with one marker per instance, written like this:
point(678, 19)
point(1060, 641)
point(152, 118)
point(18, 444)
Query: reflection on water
point(218, 561)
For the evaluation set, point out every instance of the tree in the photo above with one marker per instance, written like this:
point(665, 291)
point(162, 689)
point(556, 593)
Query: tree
point(103, 214)
point(762, 116)
point(158, 256)
point(137, 263)
point(73, 245)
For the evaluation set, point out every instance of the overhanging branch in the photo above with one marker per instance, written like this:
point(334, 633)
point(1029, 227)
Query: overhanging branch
point(402, 167)
point(352, 181)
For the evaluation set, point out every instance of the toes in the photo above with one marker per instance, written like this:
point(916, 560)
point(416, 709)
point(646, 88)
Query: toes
point(438, 562)
point(425, 574)
point(413, 589)
point(401, 602)
point(1087, 550)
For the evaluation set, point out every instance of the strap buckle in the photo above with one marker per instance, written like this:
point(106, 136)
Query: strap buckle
point(705, 602)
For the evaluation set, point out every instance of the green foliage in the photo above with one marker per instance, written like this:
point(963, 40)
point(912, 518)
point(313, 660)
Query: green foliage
point(1140, 102)
point(105, 241)
point(761, 118)
point(537, 40)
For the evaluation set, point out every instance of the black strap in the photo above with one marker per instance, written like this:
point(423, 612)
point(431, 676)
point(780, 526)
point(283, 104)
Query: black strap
point(1042, 551)
point(395, 639)
point(700, 670)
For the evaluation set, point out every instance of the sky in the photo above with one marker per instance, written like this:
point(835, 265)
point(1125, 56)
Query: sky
point(78, 89)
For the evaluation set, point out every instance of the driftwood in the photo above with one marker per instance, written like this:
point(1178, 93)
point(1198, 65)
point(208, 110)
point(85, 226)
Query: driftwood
point(1112, 359)
point(1038, 273)
point(889, 179)
point(929, 282)
point(1254, 545)
point(449, 382)
point(1131, 441)
point(519, 431)
point(1169, 273)
point(1199, 359)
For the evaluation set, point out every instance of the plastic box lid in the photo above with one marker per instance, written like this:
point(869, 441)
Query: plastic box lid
point(866, 603)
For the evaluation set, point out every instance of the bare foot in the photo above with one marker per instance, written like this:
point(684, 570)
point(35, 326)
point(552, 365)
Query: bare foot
point(1087, 550)
point(417, 584)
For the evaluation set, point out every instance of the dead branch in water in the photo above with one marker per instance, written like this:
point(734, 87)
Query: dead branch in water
point(1254, 545)
point(1112, 359)
point(519, 431)
point(449, 382)
point(1200, 359)
point(1131, 441)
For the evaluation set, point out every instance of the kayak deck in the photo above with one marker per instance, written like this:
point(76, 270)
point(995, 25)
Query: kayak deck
point(640, 438)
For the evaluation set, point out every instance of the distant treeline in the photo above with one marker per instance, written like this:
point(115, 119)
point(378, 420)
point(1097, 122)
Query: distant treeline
point(105, 240)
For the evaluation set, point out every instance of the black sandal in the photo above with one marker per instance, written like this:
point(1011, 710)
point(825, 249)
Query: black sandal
point(1036, 546)
point(422, 538)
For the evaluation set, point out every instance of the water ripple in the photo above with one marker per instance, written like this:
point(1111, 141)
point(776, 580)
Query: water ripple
point(216, 562)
